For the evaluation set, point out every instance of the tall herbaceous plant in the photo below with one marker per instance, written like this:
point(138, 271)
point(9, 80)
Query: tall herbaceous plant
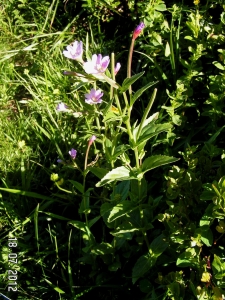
point(120, 163)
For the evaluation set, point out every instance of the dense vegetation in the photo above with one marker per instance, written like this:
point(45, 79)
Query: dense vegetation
point(112, 179)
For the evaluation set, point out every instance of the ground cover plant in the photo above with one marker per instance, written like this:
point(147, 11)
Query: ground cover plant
point(112, 150)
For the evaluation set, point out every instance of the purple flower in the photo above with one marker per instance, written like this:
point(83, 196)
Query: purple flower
point(62, 107)
point(92, 139)
point(117, 68)
point(97, 64)
point(73, 153)
point(138, 30)
point(59, 161)
point(93, 97)
point(74, 51)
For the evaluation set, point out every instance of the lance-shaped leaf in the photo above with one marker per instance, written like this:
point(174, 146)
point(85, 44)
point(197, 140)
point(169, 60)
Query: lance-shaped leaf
point(99, 172)
point(149, 120)
point(119, 174)
point(122, 230)
point(145, 262)
point(141, 91)
point(152, 130)
point(120, 210)
point(156, 161)
point(129, 81)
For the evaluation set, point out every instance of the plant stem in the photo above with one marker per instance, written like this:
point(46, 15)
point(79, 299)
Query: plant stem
point(112, 73)
point(85, 167)
point(129, 63)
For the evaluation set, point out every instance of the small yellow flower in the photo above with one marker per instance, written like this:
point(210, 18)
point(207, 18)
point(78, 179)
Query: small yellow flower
point(206, 277)
point(21, 144)
point(196, 2)
point(54, 177)
point(56, 92)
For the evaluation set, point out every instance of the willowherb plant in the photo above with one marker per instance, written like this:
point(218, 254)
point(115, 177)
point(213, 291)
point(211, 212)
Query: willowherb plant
point(113, 120)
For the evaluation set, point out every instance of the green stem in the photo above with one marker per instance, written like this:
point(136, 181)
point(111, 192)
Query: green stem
point(129, 63)
point(118, 103)
point(84, 197)
point(97, 121)
point(125, 100)
point(112, 73)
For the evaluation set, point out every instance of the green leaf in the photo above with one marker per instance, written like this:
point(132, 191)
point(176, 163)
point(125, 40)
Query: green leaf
point(124, 228)
point(219, 65)
point(207, 236)
point(158, 246)
point(98, 172)
point(208, 192)
point(141, 91)
point(218, 267)
point(120, 150)
point(149, 120)
point(142, 266)
point(120, 210)
point(120, 174)
point(156, 161)
point(93, 221)
point(150, 131)
point(28, 194)
point(109, 80)
point(177, 120)
point(145, 262)
point(188, 259)
point(174, 288)
point(110, 116)
point(215, 135)
point(56, 288)
point(54, 216)
point(129, 81)
point(106, 208)
point(122, 189)
point(79, 225)
point(207, 218)
point(77, 186)
point(102, 249)
point(160, 6)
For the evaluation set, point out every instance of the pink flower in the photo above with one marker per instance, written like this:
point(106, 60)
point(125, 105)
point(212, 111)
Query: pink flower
point(74, 51)
point(138, 30)
point(73, 153)
point(92, 139)
point(117, 68)
point(97, 64)
point(94, 97)
point(62, 107)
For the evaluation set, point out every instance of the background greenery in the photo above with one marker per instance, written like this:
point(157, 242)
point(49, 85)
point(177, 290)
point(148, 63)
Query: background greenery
point(182, 208)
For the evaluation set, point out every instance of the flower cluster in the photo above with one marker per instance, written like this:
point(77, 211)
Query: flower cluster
point(96, 65)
